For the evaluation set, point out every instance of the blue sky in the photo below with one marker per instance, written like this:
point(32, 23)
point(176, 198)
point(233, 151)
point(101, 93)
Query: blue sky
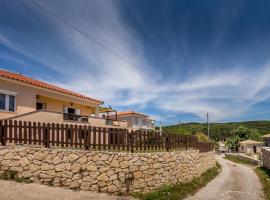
point(190, 57)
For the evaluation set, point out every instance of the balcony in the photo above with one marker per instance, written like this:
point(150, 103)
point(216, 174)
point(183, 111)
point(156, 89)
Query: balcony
point(74, 117)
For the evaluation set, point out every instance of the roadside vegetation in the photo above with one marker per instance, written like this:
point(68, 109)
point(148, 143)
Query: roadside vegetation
point(181, 190)
point(236, 160)
point(12, 175)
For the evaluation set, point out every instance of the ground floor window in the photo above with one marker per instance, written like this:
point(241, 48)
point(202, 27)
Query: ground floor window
point(7, 101)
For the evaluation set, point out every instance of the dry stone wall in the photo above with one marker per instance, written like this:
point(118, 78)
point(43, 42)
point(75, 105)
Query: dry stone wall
point(110, 172)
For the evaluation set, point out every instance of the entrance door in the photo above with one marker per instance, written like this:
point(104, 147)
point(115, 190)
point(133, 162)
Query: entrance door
point(254, 149)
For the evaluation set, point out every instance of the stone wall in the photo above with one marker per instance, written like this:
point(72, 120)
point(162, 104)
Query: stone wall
point(266, 157)
point(111, 172)
point(244, 158)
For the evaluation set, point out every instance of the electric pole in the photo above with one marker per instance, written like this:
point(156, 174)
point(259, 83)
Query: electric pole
point(208, 126)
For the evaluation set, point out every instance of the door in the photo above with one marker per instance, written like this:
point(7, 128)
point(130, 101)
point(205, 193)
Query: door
point(254, 149)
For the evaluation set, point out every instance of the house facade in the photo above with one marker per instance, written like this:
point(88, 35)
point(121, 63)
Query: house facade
point(24, 98)
point(250, 146)
point(266, 139)
point(135, 120)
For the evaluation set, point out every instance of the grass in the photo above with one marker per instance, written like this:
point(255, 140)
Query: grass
point(12, 175)
point(264, 175)
point(181, 190)
point(236, 160)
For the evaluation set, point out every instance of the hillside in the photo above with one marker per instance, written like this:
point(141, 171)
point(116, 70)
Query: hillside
point(219, 131)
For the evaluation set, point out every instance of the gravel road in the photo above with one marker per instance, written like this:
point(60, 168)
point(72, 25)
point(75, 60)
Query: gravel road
point(235, 182)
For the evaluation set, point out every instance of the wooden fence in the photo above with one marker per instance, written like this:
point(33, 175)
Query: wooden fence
point(100, 138)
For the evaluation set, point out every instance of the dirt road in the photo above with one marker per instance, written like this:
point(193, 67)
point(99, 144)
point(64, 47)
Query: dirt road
point(10, 190)
point(235, 182)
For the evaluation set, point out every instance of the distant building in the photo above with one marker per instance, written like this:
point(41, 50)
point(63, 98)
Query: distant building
point(266, 139)
point(222, 148)
point(250, 146)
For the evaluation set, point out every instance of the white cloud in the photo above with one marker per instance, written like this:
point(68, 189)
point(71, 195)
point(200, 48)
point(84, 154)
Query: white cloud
point(88, 68)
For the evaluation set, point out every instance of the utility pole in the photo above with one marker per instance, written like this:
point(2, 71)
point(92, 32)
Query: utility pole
point(208, 126)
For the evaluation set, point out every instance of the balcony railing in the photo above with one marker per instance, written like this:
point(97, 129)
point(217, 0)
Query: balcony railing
point(74, 117)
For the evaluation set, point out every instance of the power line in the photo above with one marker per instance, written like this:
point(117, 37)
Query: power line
point(66, 22)
point(113, 52)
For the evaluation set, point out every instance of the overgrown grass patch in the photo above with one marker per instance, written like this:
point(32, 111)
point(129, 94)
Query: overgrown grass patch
point(264, 175)
point(181, 190)
point(236, 160)
point(13, 175)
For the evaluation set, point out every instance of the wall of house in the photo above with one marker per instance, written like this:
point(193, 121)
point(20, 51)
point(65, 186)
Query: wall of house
point(111, 172)
point(248, 148)
point(27, 98)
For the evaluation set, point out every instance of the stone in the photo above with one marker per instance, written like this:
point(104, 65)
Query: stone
point(8, 156)
point(56, 160)
point(74, 184)
point(39, 156)
point(26, 174)
point(112, 189)
point(137, 174)
point(51, 174)
point(67, 174)
point(24, 162)
point(17, 169)
point(115, 163)
point(45, 166)
point(91, 167)
point(60, 167)
point(85, 186)
point(102, 177)
point(75, 168)
point(72, 157)
point(124, 164)
point(82, 160)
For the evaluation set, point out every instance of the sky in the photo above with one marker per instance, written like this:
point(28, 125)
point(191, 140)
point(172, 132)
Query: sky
point(173, 60)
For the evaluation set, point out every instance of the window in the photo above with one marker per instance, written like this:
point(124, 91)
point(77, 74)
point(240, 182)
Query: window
point(7, 101)
point(2, 101)
point(40, 106)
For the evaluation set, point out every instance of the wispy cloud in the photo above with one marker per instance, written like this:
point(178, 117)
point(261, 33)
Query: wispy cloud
point(89, 68)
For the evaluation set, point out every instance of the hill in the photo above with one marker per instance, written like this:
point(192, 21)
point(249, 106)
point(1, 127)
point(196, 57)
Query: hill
point(219, 131)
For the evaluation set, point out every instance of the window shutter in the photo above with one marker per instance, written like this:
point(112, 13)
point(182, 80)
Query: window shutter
point(78, 111)
point(65, 109)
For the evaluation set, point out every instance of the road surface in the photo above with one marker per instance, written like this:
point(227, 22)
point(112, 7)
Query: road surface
point(10, 190)
point(235, 182)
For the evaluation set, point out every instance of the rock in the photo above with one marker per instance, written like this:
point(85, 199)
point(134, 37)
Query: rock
point(124, 164)
point(115, 163)
point(24, 162)
point(39, 156)
point(74, 184)
point(17, 169)
point(75, 168)
point(60, 167)
point(82, 160)
point(102, 177)
point(45, 167)
point(72, 157)
point(85, 186)
point(26, 174)
point(91, 167)
point(56, 160)
point(112, 189)
point(137, 174)
point(67, 174)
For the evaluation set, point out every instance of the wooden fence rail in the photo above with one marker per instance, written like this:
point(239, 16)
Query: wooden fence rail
point(100, 138)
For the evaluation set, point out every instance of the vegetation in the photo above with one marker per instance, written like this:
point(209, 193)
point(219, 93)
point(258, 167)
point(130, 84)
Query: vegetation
point(12, 175)
point(231, 132)
point(181, 190)
point(236, 160)
point(264, 176)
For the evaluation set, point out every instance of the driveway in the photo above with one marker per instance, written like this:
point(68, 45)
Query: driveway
point(10, 190)
point(235, 182)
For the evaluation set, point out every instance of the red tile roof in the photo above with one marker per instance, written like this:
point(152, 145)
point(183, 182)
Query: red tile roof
point(30, 81)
